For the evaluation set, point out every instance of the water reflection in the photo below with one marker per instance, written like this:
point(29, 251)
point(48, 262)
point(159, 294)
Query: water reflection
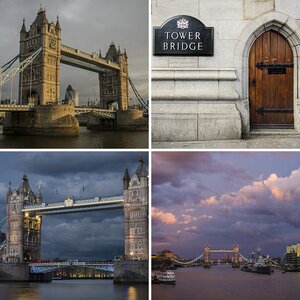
point(224, 282)
point(20, 291)
point(86, 139)
point(132, 293)
point(72, 290)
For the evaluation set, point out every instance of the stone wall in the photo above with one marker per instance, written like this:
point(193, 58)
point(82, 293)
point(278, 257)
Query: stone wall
point(14, 272)
point(51, 120)
point(131, 272)
point(206, 98)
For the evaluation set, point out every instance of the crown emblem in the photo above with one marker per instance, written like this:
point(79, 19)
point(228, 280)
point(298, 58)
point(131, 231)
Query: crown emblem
point(182, 23)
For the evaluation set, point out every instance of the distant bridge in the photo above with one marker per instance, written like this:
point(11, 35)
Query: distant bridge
point(37, 268)
point(71, 206)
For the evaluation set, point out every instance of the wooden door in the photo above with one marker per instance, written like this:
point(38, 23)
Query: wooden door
point(271, 82)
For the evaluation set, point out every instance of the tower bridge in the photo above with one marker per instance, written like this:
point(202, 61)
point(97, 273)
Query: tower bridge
point(26, 210)
point(205, 256)
point(41, 54)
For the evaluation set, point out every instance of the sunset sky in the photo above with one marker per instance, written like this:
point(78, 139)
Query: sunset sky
point(252, 198)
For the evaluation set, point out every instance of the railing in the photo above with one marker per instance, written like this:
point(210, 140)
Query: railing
point(72, 263)
point(13, 107)
point(96, 111)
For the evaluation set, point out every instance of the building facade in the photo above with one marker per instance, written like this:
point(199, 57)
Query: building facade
point(250, 81)
point(23, 241)
point(136, 213)
point(293, 255)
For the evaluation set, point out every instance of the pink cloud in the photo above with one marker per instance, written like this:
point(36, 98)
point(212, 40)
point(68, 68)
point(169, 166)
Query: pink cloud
point(274, 188)
point(164, 217)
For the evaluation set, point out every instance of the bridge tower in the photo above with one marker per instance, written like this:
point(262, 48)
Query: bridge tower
point(206, 256)
point(136, 213)
point(39, 84)
point(235, 258)
point(114, 84)
point(23, 241)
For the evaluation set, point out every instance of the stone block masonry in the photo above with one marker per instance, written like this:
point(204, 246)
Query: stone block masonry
point(204, 98)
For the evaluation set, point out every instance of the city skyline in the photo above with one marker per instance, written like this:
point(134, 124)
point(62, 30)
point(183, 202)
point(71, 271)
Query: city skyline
point(86, 236)
point(128, 29)
point(249, 198)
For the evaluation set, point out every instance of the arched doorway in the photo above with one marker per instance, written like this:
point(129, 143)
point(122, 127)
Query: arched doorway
point(271, 82)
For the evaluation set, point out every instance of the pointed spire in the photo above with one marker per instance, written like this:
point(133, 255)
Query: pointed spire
point(100, 54)
point(41, 9)
point(9, 189)
point(57, 26)
point(126, 179)
point(39, 196)
point(141, 170)
point(141, 160)
point(119, 51)
point(23, 29)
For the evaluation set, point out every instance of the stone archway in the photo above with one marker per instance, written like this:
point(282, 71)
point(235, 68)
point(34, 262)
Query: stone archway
point(288, 28)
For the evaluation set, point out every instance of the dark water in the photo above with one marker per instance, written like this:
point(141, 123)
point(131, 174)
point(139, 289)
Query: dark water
point(225, 283)
point(86, 139)
point(72, 290)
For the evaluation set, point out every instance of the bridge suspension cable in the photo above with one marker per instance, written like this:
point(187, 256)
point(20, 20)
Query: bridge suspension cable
point(4, 77)
point(9, 64)
point(188, 262)
point(2, 222)
point(138, 96)
point(3, 245)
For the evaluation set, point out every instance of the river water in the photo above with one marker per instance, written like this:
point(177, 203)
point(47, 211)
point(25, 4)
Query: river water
point(87, 139)
point(72, 290)
point(224, 282)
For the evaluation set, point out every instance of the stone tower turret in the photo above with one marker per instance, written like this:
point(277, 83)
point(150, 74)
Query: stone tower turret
point(136, 213)
point(114, 84)
point(39, 84)
point(23, 241)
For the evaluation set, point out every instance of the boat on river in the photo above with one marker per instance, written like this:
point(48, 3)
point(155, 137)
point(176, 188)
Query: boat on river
point(165, 276)
point(257, 264)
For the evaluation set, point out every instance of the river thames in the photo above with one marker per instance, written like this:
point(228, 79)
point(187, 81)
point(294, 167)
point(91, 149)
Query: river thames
point(72, 290)
point(87, 139)
point(224, 282)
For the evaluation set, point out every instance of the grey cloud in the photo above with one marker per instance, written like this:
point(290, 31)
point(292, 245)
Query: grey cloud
point(89, 26)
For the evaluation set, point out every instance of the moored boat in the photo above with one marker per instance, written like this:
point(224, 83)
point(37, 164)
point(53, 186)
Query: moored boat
point(257, 265)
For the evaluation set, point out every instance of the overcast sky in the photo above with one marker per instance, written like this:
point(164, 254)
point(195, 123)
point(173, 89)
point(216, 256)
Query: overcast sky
point(252, 198)
point(85, 236)
point(88, 25)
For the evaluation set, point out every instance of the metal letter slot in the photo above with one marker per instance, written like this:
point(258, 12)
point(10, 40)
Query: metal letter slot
point(262, 110)
point(274, 68)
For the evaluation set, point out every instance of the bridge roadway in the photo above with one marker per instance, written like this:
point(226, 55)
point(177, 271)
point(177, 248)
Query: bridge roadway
point(72, 206)
point(91, 62)
point(99, 112)
point(46, 267)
